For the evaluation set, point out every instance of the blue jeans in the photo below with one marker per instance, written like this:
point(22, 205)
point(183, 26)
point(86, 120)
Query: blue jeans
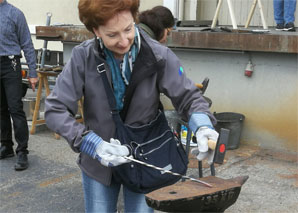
point(101, 198)
point(284, 11)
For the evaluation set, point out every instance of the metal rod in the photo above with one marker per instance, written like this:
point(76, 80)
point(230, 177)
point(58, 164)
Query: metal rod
point(200, 169)
point(168, 171)
point(212, 169)
point(188, 139)
point(45, 43)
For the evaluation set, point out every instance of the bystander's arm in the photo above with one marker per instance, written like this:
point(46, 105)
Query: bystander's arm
point(24, 35)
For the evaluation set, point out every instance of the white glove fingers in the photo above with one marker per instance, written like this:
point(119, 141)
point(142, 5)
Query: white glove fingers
point(114, 160)
point(203, 144)
point(118, 151)
point(115, 141)
point(203, 135)
point(113, 149)
point(211, 134)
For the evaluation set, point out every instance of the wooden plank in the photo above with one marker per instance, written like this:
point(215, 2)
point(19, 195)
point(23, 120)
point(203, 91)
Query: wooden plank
point(283, 43)
point(280, 42)
point(61, 33)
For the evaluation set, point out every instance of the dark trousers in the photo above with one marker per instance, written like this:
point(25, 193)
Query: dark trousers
point(11, 106)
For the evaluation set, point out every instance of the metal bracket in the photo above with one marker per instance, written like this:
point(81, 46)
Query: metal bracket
point(101, 68)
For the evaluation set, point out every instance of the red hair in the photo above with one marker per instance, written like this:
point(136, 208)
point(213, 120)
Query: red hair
point(94, 13)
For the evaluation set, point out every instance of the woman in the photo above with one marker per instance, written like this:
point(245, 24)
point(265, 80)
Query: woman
point(125, 51)
point(157, 23)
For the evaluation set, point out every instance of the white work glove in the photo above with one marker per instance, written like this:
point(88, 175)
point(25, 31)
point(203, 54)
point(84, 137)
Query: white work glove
point(108, 154)
point(202, 151)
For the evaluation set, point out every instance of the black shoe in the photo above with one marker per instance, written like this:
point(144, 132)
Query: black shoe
point(22, 162)
point(6, 152)
point(289, 27)
point(279, 27)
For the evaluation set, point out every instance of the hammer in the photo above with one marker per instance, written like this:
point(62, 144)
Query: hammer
point(220, 150)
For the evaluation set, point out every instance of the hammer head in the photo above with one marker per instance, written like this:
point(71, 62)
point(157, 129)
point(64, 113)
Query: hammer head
point(221, 145)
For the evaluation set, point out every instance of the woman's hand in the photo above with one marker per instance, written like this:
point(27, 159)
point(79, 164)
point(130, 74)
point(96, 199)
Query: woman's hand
point(108, 154)
point(203, 135)
point(33, 82)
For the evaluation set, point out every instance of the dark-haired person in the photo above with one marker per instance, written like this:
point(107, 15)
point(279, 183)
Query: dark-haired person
point(125, 52)
point(14, 37)
point(157, 22)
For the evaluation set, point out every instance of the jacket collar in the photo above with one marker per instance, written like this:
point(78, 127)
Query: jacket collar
point(98, 53)
point(146, 63)
point(147, 30)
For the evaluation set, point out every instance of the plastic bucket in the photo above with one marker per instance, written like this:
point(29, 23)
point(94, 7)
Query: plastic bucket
point(233, 122)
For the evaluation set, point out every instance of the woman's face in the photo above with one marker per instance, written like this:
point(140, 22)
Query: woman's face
point(118, 33)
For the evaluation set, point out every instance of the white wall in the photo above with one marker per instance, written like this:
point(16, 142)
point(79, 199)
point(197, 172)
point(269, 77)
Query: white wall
point(63, 12)
point(147, 4)
point(269, 99)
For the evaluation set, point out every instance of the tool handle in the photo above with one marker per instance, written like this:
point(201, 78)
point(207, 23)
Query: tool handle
point(200, 86)
point(212, 144)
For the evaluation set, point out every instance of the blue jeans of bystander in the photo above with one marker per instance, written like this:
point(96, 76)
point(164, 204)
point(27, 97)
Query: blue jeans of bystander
point(284, 11)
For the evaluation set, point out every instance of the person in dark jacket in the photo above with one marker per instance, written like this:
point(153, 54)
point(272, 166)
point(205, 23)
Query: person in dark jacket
point(14, 37)
point(125, 51)
point(157, 23)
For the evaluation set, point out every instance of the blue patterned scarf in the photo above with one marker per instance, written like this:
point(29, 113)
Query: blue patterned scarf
point(121, 71)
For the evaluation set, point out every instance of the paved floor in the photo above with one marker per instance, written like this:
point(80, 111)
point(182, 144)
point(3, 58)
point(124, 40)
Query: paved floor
point(52, 183)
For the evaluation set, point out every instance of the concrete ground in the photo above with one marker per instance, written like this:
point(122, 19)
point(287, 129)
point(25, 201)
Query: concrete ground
point(52, 183)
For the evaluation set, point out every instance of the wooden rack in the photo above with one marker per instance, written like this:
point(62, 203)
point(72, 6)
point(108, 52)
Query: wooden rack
point(43, 83)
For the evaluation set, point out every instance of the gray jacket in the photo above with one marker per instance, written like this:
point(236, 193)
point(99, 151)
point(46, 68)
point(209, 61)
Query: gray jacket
point(80, 78)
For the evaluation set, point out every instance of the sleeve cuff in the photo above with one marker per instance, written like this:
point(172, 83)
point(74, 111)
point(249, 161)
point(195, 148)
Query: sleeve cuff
point(90, 143)
point(32, 74)
point(198, 120)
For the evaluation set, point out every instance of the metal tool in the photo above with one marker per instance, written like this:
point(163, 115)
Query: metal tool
point(45, 43)
point(167, 171)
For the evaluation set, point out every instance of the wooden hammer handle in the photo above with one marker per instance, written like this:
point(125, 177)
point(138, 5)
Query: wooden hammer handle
point(212, 144)
point(200, 86)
